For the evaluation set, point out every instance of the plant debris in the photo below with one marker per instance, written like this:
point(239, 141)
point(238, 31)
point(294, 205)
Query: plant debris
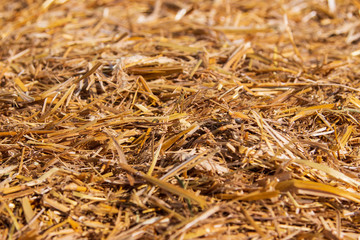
point(159, 119)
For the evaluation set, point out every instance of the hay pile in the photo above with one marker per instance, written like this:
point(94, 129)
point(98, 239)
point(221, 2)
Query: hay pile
point(187, 119)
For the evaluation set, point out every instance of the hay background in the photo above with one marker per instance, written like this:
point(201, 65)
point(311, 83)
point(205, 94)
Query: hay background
point(179, 119)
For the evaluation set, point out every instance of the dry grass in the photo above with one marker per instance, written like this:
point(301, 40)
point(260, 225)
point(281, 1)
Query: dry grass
point(159, 119)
